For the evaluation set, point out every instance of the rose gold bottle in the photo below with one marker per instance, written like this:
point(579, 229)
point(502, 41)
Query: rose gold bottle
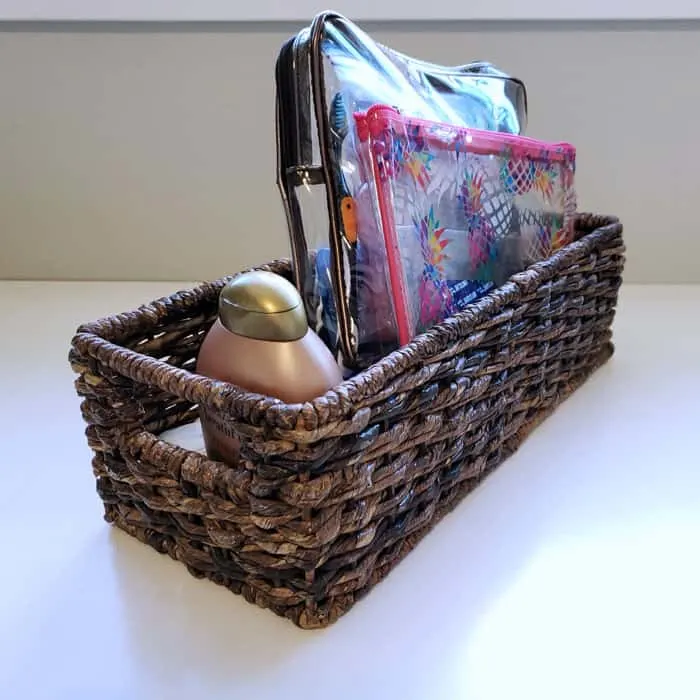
point(262, 342)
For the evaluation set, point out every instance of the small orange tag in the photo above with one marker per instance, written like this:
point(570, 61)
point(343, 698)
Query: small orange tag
point(347, 212)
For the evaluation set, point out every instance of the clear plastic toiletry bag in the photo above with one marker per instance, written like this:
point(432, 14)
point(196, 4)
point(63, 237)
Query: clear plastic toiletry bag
point(324, 75)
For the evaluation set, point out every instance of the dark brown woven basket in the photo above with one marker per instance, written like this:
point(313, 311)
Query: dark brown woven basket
point(330, 495)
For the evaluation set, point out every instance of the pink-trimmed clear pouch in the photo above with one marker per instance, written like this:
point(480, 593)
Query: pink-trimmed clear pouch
point(460, 210)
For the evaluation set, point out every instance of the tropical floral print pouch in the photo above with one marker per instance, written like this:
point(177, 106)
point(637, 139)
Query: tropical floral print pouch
point(459, 209)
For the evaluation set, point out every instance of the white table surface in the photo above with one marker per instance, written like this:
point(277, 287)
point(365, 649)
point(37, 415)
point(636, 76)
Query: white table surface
point(572, 572)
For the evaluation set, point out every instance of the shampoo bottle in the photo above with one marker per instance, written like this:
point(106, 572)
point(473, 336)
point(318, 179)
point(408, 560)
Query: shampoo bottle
point(261, 342)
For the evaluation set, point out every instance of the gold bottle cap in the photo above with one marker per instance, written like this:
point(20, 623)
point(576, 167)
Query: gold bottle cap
point(264, 306)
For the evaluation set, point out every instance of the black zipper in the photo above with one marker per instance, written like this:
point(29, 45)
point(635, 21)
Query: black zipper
point(321, 112)
point(287, 126)
point(286, 103)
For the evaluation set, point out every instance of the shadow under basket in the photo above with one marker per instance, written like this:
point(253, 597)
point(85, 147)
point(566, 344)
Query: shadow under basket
point(330, 495)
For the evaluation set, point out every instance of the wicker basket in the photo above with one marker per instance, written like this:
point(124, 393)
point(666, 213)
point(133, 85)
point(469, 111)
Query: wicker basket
point(330, 495)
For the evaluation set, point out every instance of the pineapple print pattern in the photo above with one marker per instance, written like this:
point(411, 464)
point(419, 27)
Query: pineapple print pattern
point(465, 212)
point(536, 236)
point(518, 175)
point(435, 297)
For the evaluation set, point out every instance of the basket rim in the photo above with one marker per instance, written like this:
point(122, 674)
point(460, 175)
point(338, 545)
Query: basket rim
point(99, 340)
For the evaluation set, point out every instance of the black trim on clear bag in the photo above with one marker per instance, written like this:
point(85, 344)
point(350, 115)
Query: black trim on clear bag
point(287, 157)
point(321, 111)
point(294, 159)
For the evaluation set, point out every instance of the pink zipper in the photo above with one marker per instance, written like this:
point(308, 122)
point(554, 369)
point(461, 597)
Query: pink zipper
point(393, 258)
point(378, 117)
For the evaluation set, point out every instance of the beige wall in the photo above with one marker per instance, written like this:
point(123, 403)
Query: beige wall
point(148, 152)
